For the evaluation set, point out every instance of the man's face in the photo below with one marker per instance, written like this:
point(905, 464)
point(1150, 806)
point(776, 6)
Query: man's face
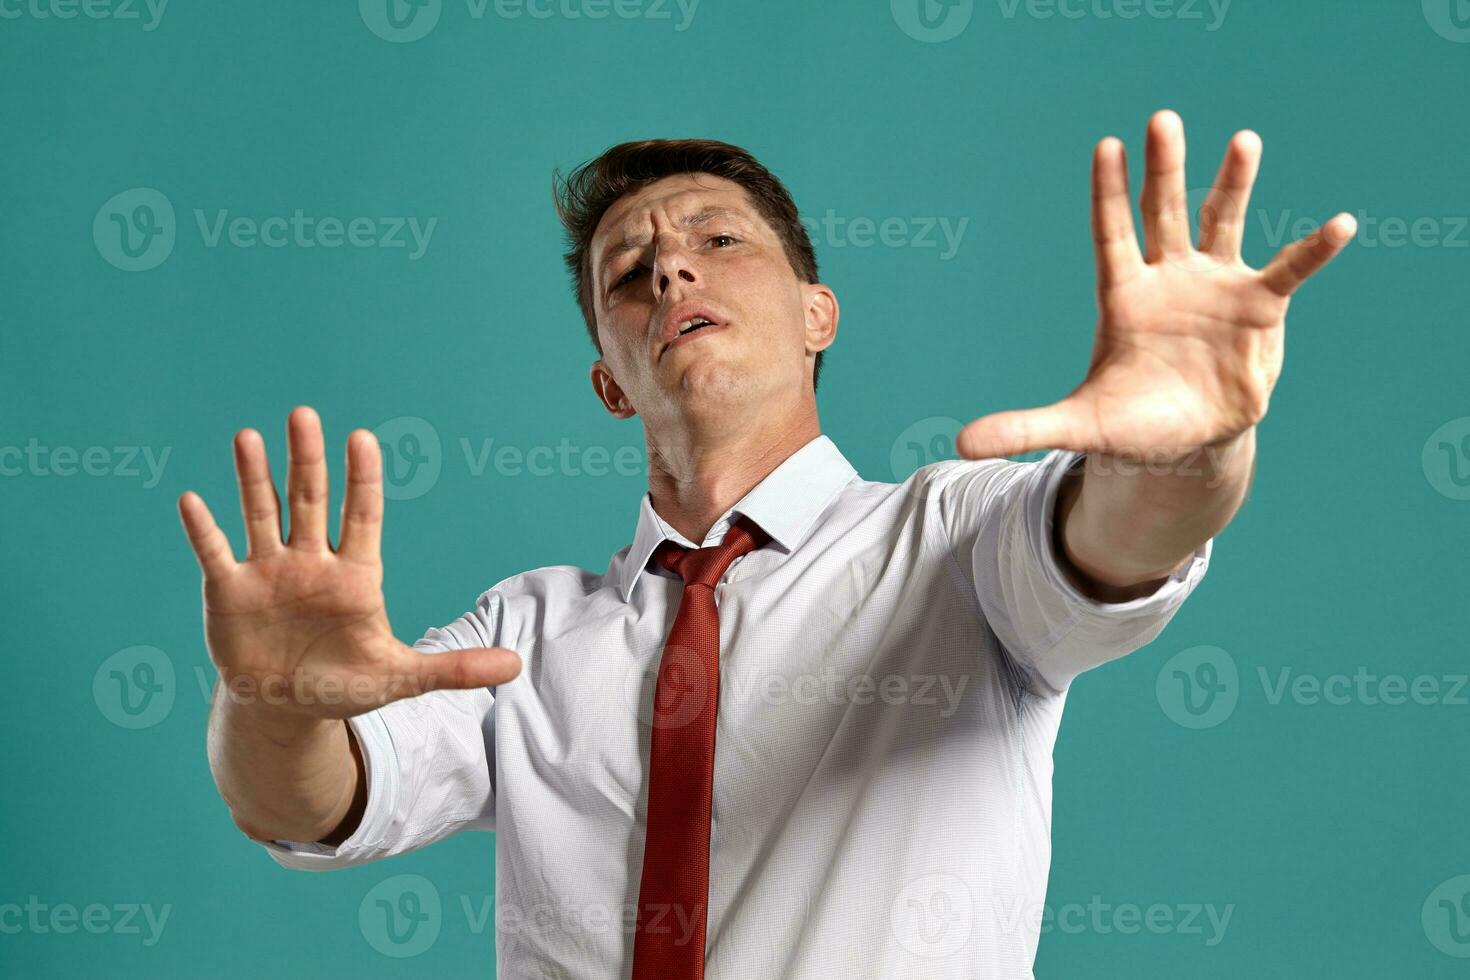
point(687, 247)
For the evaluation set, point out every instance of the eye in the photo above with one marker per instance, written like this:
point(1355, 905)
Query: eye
point(724, 238)
point(628, 276)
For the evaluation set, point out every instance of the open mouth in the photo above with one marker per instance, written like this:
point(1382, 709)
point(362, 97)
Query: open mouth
point(688, 329)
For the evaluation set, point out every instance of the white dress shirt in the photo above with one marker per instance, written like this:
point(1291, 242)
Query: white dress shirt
point(893, 669)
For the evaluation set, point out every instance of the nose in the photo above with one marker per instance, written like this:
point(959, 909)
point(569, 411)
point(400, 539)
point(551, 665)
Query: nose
point(672, 264)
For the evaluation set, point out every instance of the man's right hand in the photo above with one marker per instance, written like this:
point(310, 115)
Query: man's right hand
point(301, 640)
point(301, 629)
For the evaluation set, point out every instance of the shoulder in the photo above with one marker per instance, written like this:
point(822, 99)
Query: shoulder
point(547, 584)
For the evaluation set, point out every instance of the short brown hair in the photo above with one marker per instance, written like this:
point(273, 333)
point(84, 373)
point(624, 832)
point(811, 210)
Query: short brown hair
point(587, 193)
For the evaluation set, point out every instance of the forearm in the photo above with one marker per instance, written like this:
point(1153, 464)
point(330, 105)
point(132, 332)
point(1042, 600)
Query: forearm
point(285, 777)
point(1126, 524)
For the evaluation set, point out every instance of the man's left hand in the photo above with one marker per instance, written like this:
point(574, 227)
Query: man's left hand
point(1189, 338)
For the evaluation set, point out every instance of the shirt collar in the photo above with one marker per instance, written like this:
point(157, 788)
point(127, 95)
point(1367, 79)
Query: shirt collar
point(785, 504)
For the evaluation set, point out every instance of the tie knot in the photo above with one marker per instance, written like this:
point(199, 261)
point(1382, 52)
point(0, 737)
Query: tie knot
point(704, 566)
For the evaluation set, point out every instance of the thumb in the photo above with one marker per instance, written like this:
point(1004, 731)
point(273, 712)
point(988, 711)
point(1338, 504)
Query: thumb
point(459, 670)
point(1012, 433)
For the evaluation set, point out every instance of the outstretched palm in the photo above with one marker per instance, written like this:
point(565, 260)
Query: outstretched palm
point(1189, 339)
point(303, 625)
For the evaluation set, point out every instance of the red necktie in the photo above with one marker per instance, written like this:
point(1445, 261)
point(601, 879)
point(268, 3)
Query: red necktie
point(674, 892)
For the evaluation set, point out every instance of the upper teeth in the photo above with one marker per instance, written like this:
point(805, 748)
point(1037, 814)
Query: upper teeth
point(697, 321)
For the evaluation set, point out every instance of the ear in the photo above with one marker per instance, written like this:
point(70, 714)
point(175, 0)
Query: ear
point(609, 393)
point(822, 313)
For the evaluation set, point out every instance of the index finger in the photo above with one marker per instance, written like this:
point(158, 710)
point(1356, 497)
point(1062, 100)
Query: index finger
point(1114, 239)
point(362, 506)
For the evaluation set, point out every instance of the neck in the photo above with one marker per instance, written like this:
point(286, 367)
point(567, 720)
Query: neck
point(695, 476)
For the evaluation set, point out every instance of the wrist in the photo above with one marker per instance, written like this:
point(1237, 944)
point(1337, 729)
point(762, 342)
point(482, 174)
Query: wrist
point(273, 720)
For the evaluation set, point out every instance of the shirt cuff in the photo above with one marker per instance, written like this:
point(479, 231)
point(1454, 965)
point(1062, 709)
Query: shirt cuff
point(380, 768)
point(1056, 465)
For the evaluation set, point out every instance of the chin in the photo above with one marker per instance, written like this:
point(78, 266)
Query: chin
point(714, 379)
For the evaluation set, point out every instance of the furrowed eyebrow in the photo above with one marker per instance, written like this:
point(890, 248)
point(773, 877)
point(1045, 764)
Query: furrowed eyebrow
point(631, 242)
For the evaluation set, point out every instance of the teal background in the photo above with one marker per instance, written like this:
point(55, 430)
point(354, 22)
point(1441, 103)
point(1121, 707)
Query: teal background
point(1326, 827)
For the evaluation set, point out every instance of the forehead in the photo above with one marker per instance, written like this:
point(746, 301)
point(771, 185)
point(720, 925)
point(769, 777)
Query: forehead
point(679, 194)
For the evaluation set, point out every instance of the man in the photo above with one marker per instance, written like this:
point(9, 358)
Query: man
point(669, 799)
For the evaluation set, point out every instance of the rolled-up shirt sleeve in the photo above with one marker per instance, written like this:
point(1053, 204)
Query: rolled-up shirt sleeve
point(999, 515)
point(429, 763)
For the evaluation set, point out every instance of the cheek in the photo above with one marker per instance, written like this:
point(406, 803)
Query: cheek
point(624, 326)
point(766, 296)
point(782, 319)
